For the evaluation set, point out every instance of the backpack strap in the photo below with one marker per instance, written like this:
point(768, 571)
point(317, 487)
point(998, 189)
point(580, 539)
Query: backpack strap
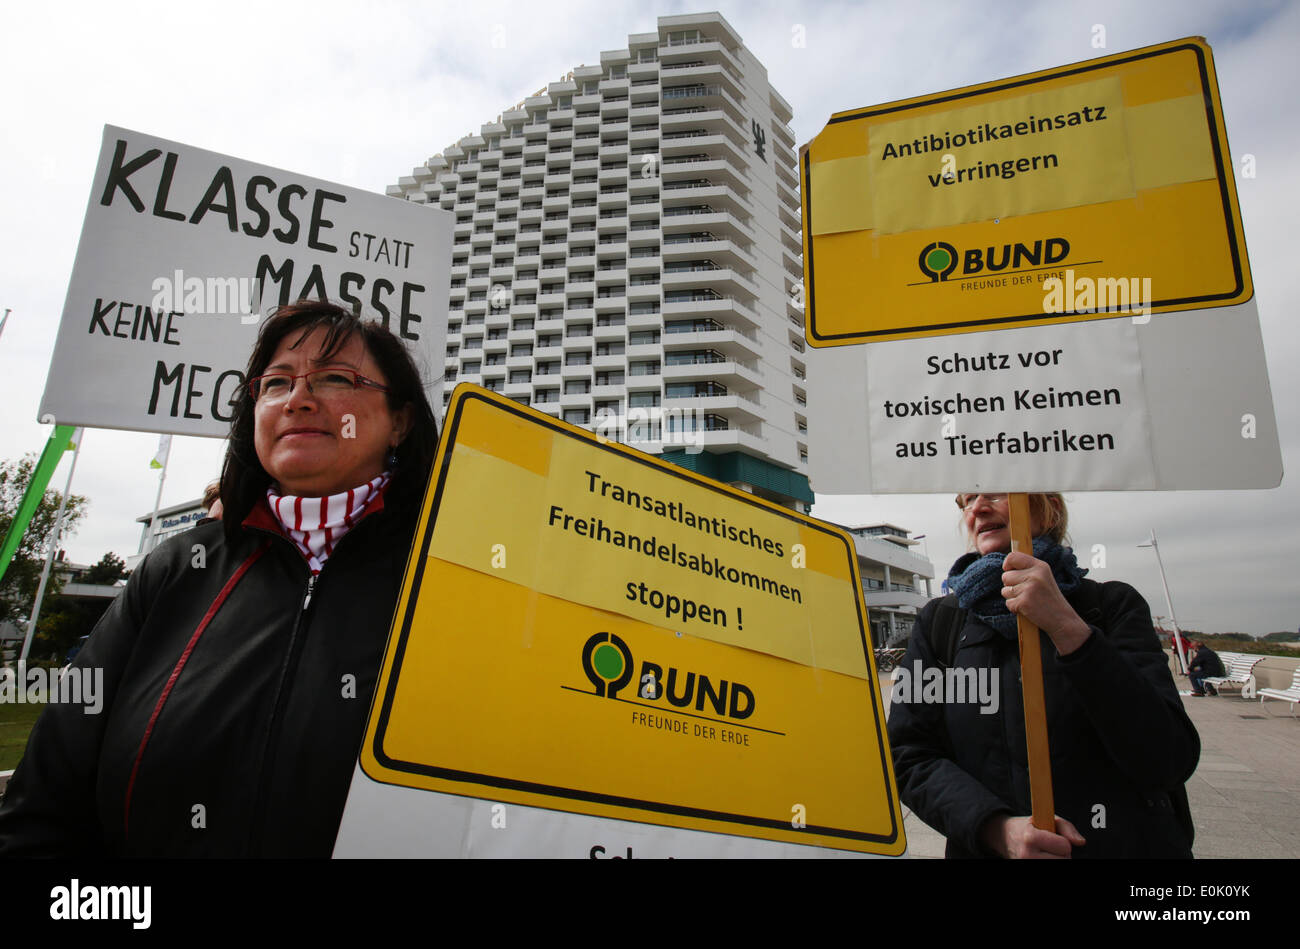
point(945, 627)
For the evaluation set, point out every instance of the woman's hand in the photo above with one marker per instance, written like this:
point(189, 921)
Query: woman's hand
point(1016, 838)
point(1031, 591)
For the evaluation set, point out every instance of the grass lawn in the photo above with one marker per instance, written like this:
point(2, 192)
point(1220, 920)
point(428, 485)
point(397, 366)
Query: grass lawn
point(16, 723)
point(1256, 647)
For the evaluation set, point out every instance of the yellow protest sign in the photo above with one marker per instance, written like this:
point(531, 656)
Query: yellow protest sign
point(1093, 190)
point(586, 628)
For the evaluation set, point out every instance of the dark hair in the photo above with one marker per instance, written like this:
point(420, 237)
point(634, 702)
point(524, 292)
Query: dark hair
point(210, 495)
point(244, 480)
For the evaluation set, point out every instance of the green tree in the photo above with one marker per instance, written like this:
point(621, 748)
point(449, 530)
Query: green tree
point(109, 570)
point(65, 620)
point(62, 624)
point(18, 588)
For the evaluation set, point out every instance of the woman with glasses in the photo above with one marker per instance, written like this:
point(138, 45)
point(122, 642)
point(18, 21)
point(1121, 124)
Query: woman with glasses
point(1121, 744)
point(240, 661)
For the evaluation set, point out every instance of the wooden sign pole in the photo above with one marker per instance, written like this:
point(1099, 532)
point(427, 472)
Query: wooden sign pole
point(1031, 678)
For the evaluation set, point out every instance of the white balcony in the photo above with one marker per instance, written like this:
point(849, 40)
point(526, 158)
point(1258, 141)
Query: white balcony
point(882, 551)
point(723, 310)
point(724, 280)
point(644, 321)
point(729, 372)
point(893, 598)
point(742, 408)
point(721, 250)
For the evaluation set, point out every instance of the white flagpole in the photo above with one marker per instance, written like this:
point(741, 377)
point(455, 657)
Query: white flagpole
point(4, 319)
point(49, 554)
point(1178, 636)
point(162, 479)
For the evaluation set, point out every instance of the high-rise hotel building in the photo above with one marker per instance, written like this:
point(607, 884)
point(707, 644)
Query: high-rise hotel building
point(627, 253)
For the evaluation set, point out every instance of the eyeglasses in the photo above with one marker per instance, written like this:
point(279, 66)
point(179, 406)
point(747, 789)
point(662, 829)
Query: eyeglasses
point(967, 501)
point(276, 386)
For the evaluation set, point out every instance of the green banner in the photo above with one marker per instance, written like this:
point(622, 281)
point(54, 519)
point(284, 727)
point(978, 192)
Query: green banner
point(54, 448)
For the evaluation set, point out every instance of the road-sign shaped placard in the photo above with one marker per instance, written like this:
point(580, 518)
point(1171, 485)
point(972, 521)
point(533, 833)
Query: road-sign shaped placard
point(1063, 195)
point(586, 628)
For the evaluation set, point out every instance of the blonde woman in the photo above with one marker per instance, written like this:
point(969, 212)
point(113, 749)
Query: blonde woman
point(1121, 744)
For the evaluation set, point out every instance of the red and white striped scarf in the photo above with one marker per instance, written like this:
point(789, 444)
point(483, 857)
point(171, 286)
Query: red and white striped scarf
point(315, 525)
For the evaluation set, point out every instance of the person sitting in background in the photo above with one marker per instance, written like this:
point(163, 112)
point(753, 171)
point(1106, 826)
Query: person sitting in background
point(1204, 665)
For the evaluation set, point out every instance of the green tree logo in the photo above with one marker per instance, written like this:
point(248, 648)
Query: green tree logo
point(937, 260)
point(607, 662)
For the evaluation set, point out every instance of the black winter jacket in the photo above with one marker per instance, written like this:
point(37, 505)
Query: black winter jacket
point(1206, 663)
point(1121, 744)
point(235, 703)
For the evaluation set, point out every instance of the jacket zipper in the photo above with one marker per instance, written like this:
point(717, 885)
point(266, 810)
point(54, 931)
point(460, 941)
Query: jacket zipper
point(261, 802)
point(287, 666)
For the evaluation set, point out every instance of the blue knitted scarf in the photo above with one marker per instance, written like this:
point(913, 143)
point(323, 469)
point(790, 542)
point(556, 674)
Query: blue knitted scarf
point(977, 581)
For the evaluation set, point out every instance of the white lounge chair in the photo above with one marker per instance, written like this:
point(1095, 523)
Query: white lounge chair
point(1240, 670)
point(1291, 695)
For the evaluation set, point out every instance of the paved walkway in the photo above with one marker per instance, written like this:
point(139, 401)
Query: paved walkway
point(1245, 794)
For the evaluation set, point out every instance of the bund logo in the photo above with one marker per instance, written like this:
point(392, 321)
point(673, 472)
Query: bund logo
point(608, 663)
point(937, 260)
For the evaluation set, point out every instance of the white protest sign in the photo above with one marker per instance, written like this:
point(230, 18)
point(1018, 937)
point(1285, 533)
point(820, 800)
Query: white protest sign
point(183, 251)
point(383, 820)
point(1167, 402)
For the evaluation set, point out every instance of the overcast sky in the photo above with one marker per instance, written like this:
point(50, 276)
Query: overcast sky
point(360, 93)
